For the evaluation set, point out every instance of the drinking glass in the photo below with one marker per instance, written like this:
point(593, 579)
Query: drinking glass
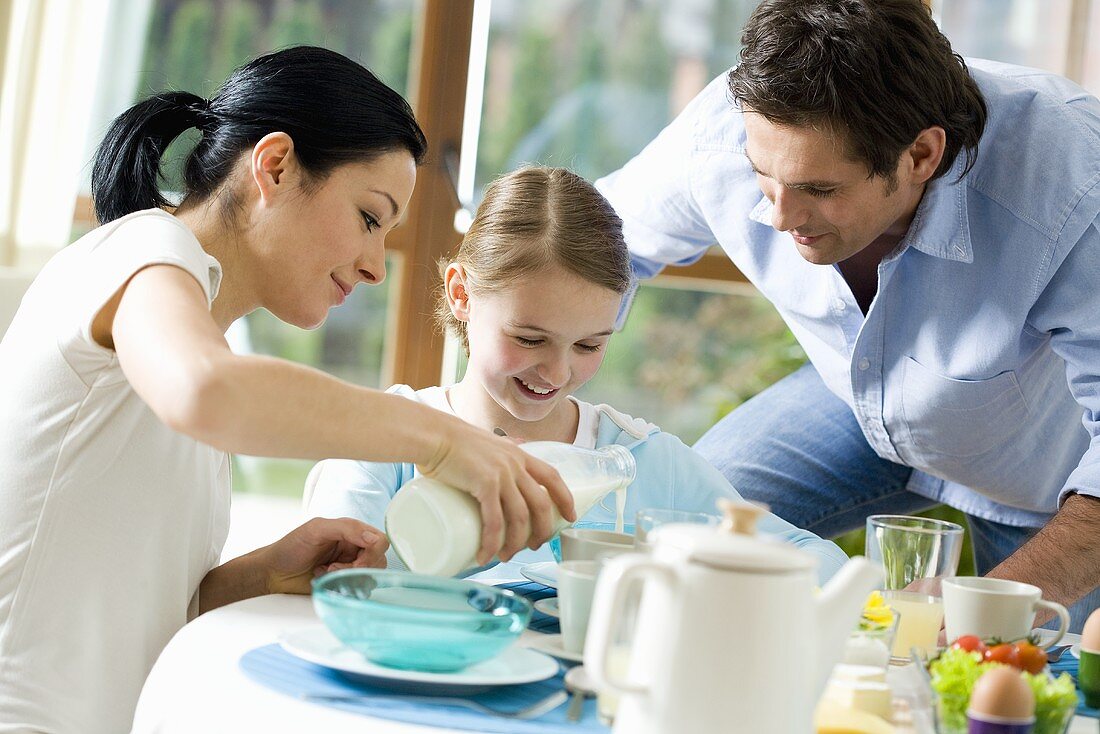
point(915, 554)
point(576, 587)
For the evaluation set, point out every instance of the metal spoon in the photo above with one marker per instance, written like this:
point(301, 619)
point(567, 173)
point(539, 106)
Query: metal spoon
point(533, 711)
point(581, 686)
point(1055, 653)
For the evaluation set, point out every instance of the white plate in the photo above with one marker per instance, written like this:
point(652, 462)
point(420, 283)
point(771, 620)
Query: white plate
point(548, 607)
point(1045, 636)
point(551, 645)
point(543, 572)
point(315, 644)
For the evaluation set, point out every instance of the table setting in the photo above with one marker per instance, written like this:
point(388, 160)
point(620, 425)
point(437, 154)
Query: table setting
point(676, 622)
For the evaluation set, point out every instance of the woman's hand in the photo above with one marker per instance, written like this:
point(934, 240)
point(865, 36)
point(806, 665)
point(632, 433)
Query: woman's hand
point(317, 547)
point(517, 492)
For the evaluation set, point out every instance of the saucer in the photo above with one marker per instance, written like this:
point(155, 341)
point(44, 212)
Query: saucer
point(315, 644)
point(543, 572)
point(549, 607)
point(551, 645)
point(1045, 636)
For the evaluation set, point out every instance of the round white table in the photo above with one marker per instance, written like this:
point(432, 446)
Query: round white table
point(197, 684)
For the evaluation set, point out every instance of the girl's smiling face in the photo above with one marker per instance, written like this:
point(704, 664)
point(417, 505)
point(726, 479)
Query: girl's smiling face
point(536, 342)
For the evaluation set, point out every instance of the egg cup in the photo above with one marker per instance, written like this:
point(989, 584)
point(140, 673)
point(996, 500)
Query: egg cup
point(980, 724)
point(1088, 677)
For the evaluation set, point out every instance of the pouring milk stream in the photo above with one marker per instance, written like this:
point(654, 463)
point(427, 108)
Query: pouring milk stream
point(436, 529)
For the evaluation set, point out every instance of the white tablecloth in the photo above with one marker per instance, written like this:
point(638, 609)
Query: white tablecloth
point(197, 684)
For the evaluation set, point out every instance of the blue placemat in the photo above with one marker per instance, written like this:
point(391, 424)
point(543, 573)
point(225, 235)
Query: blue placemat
point(539, 622)
point(274, 668)
point(1070, 664)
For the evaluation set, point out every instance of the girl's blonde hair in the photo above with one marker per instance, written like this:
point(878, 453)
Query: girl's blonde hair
point(534, 217)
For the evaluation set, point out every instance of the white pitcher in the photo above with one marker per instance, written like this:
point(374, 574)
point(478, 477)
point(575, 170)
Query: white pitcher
point(731, 635)
point(436, 529)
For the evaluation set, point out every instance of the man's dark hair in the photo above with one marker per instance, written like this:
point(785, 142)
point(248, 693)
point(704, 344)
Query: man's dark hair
point(876, 71)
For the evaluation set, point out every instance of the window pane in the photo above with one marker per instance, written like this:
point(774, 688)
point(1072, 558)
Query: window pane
point(587, 85)
point(1026, 32)
point(193, 45)
point(686, 358)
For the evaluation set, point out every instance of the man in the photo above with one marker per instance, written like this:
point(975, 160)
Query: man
point(928, 230)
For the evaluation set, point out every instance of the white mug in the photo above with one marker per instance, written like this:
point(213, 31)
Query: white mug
point(996, 608)
point(576, 587)
point(590, 544)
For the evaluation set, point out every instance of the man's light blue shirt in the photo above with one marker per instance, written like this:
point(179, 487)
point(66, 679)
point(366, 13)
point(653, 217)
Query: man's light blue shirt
point(978, 362)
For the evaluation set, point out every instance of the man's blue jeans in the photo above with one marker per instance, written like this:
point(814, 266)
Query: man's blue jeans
point(797, 447)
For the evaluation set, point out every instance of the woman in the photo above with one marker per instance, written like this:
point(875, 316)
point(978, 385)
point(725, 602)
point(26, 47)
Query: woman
point(121, 398)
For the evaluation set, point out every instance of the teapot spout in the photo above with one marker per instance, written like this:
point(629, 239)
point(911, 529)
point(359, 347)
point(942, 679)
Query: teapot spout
point(838, 610)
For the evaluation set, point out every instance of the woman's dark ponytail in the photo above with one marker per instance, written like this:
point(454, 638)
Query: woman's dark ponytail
point(127, 164)
point(333, 109)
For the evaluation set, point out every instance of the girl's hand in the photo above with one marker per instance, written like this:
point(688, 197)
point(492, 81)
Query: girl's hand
point(317, 547)
point(515, 489)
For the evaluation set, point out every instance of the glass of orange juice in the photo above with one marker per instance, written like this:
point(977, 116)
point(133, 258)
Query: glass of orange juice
point(915, 554)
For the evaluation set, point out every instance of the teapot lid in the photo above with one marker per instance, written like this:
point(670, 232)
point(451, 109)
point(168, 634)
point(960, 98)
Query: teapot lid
point(734, 545)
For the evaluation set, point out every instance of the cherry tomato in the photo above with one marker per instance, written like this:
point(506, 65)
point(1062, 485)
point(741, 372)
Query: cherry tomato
point(1030, 658)
point(1005, 653)
point(970, 643)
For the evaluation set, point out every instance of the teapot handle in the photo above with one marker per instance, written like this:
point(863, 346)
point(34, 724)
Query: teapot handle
point(608, 607)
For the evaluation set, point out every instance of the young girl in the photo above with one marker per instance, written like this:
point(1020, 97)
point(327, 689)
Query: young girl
point(121, 399)
point(533, 293)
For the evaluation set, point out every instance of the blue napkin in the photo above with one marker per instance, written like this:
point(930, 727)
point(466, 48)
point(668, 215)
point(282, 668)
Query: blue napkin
point(1070, 664)
point(274, 668)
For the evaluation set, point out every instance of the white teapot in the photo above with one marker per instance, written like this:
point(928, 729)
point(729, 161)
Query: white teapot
point(731, 634)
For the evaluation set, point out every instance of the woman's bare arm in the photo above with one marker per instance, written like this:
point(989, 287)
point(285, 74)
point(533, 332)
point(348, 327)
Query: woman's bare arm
point(177, 360)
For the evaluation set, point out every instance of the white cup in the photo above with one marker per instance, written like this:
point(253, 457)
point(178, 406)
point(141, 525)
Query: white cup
point(590, 544)
point(995, 608)
point(576, 587)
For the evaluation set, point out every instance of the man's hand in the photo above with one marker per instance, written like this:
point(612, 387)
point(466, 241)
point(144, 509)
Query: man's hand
point(1063, 559)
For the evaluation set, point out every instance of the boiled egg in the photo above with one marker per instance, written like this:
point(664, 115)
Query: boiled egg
point(1002, 692)
point(1090, 635)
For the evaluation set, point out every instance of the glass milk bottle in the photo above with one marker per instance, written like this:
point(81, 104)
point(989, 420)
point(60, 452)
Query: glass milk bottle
point(436, 529)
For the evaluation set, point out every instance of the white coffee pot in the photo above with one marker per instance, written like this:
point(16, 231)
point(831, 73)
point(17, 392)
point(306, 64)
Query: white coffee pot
point(731, 632)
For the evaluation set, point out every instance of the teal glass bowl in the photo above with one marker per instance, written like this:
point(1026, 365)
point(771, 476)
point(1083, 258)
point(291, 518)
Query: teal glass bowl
point(417, 622)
